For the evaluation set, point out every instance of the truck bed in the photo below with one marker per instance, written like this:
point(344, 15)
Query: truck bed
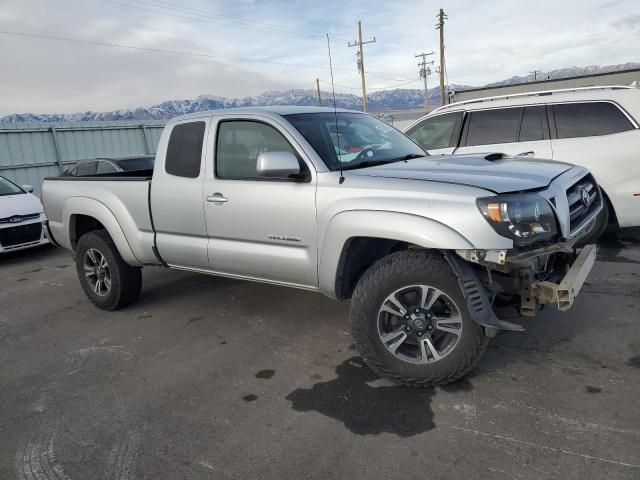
point(120, 199)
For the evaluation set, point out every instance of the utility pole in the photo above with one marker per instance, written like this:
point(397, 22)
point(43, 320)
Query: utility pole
point(424, 72)
point(440, 26)
point(535, 74)
point(360, 54)
point(318, 89)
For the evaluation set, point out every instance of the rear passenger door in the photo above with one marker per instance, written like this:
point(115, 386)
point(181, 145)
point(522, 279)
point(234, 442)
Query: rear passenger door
point(515, 131)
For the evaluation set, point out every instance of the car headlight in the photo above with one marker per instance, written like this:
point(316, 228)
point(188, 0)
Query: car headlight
point(525, 218)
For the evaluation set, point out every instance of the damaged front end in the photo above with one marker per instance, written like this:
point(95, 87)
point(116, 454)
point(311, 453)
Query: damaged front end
point(544, 266)
point(516, 283)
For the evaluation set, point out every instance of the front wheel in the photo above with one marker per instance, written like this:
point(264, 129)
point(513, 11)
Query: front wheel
point(410, 321)
point(108, 281)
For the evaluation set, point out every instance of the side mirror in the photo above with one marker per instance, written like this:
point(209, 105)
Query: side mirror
point(277, 165)
point(28, 188)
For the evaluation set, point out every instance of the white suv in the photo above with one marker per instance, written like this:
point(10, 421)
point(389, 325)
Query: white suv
point(594, 127)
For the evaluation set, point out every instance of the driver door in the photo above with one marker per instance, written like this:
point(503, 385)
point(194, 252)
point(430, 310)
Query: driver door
point(259, 228)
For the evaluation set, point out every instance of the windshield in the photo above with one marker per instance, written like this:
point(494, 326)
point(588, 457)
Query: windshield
point(142, 163)
point(355, 140)
point(9, 188)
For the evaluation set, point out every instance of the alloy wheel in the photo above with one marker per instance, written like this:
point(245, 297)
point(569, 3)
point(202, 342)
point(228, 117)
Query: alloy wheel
point(419, 324)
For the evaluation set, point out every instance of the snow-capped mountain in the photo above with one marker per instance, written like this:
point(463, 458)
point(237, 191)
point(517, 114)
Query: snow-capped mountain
point(396, 99)
point(566, 73)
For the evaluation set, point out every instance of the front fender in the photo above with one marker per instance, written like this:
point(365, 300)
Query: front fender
point(403, 227)
point(95, 209)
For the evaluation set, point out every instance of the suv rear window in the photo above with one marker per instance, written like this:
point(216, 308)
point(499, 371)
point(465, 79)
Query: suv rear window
point(184, 152)
point(589, 119)
point(493, 126)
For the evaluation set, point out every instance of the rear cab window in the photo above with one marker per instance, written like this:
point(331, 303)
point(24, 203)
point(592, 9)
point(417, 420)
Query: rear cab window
point(184, 152)
point(440, 131)
point(589, 119)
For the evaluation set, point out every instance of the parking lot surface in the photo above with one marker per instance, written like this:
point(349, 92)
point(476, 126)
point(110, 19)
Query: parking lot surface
point(210, 378)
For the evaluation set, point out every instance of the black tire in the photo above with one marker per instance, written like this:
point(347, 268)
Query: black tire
point(597, 229)
point(394, 272)
point(126, 281)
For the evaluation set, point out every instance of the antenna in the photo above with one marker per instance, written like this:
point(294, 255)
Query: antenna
point(335, 111)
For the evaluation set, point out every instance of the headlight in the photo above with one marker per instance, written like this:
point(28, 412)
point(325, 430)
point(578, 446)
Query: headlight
point(525, 218)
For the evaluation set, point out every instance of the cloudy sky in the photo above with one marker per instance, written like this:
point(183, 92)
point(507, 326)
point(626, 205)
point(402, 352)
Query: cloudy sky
point(245, 47)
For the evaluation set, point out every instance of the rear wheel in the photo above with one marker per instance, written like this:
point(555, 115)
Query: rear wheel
point(108, 281)
point(410, 321)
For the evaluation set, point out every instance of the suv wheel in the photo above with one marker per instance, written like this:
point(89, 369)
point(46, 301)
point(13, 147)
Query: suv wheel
point(410, 321)
point(108, 281)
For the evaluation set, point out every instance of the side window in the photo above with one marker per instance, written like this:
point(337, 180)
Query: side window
point(86, 168)
point(534, 124)
point(239, 143)
point(589, 119)
point(436, 132)
point(105, 167)
point(493, 126)
point(184, 152)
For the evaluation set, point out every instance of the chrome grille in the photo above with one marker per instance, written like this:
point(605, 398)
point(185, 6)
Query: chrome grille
point(19, 218)
point(584, 199)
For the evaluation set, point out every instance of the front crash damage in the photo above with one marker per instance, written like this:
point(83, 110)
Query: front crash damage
point(509, 283)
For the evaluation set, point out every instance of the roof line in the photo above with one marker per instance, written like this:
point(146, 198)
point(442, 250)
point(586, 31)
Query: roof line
point(533, 94)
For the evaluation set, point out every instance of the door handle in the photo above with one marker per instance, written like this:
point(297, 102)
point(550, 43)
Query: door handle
point(217, 198)
point(530, 153)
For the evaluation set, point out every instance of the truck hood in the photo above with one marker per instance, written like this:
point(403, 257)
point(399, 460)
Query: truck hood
point(20, 204)
point(494, 172)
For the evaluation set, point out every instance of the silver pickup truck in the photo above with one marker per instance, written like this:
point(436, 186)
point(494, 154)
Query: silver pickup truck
point(437, 254)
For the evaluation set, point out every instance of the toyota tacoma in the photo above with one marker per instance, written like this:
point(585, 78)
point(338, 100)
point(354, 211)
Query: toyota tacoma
point(437, 254)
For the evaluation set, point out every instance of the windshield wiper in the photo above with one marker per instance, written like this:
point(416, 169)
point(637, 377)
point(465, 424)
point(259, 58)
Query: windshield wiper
point(375, 163)
point(410, 156)
point(367, 163)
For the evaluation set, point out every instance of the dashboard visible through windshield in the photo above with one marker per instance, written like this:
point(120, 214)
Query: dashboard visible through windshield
point(354, 140)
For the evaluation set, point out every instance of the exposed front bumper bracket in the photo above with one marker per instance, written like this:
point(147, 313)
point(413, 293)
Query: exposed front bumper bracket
point(564, 293)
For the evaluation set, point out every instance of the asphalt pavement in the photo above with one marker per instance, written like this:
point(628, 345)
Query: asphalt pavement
point(211, 378)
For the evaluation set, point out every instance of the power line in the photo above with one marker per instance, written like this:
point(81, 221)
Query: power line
point(388, 87)
point(204, 17)
point(238, 20)
point(391, 87)
point(338, 85)
point(387, 77)
point(161, 50)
